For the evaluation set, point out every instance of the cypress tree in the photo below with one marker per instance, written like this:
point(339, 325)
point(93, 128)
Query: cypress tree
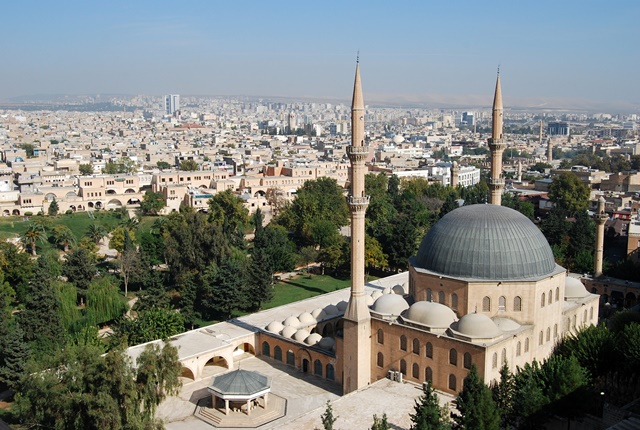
point(476, 408)
point(428, 413)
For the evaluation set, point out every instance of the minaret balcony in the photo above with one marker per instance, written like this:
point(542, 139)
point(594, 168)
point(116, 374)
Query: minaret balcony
point(358, 203)
point(601, 218)
point(496, 182)
point(357, 153)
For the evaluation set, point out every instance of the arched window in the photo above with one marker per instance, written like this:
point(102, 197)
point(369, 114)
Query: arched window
point(557, 293)
point(518, 349)
point(591, 314)
point(403, 367)
point(453, 356)
point(542, 301)
point(526, 345)
point(380, 336)
point(494, 360)
point(504, 357)
point(486, 304)
point(467, 360)
point(415, 371)
point(429, 295)
point(584, 317)
point(291, 358)
point(416, 346)
point(452, 382)
point(429, 350)
point(403, 342)
point(454, 301)
point(555, 331)
point(428, 374)
point(317, 368)
point(266, 349)
point(541, 338)
point(517, 304)
point(548, 334)
point(277, 353)
point(330, 372)
point(550, 297)
point(380, 360)
point(441, 297)
point(502, 303)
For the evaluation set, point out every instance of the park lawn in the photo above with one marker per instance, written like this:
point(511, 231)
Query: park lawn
point(303, 287)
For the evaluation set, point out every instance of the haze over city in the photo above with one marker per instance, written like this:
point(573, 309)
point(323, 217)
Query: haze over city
point(566, 54)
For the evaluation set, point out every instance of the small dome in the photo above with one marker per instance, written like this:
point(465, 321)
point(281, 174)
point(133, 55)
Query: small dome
point(376, 294)
point(399, 289)
point(313, 339)
point(306, 318)
point(506, 324)
point(288, 331)
point(275, 327)
point(301, 335)
point(369, 300)
point(332, 310)
point(574, 289)
point(342, 306)
point(398, 139)
point(292, 321)
point(390, 304)
point(387, 290)
point(327, 343)
point(478, 325)
point(431, 314)
point(318, 314)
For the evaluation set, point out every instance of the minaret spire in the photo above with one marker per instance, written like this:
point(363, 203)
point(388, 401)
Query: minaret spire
point(357, 320)
point(497, 145)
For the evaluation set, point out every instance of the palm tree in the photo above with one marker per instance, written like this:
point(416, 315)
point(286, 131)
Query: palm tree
point(96, 232)
point(63, 236)
point(33, 233)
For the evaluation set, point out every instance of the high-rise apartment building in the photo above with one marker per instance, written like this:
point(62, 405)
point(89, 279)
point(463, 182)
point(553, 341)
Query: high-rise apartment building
point(171, 103)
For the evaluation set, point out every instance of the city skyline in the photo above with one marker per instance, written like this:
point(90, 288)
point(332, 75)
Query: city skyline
point(552, 55)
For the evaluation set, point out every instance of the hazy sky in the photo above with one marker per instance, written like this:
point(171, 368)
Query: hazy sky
point(409, 50)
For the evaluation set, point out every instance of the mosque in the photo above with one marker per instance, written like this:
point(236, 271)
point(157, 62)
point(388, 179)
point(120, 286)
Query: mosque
point(483, 289)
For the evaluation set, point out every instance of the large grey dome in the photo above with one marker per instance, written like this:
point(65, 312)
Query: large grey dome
point(485, 242)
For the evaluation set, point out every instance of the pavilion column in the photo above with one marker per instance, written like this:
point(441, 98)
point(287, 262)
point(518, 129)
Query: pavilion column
point(266, 396)
point(248, 407)
point(226, 406)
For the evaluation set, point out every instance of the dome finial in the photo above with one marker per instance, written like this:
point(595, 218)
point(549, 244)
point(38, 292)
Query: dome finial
point(358, 59)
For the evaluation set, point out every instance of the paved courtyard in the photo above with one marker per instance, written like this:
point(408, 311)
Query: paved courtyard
point(306, 397)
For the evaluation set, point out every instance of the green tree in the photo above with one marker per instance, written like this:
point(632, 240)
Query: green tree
point(569, 193)
point(224, 287)
point(428, 414)
point(260, 278)
point(33, 234)
point(86, 169)
point(79, 268)
point(29, 149)
point(104, 302)
point(328, 419)
point(157, 375)
point(476, 408)
point(53, 208)
point(503, 395)
point(154, 293)
point(189, 165)
point(373, 255)
point(280, 250)
point(380, 423)
point(96, 232)
point(14, 355)
point(227, 210)
point(118, 237)
point(308, 254)
point(63, 236)
point(163, 165)
point(152, 203)
point(151, 324)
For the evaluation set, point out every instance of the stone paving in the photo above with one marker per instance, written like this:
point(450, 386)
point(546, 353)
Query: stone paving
point(306, 399)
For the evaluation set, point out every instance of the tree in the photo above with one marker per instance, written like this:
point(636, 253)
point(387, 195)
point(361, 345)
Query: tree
point(429, 415)
point(328, 419)
point(151, 324)
point(79, 268)
point(373, 255)
point(276, 199)
point(380, 423)
point(163, 165)
point(152, 203)
point(157, 375)
point(476, 408)
point(14, 355)
point(29, 148)
point(569, 193)
point(503, 393)
point(280, 250)
point(308, 254)
point(189, 165)
point(96, 232)
point(63, 236)
point(224, 287)
point(33, 233)
point(129, 261)
point(53, 208)
point(227, 210)
point(260, 278)
point(118, 237)
point(86, 169)
point(104, 302)
point(154, 293)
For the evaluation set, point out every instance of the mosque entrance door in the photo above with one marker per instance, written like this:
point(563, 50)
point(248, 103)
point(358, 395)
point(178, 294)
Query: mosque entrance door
point(305, 365)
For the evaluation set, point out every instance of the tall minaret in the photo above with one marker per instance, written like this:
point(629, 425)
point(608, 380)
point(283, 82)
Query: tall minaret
point(497, 146)
point(600, 218)
point(455, 171)
point(357, 320)
point(549, 151)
